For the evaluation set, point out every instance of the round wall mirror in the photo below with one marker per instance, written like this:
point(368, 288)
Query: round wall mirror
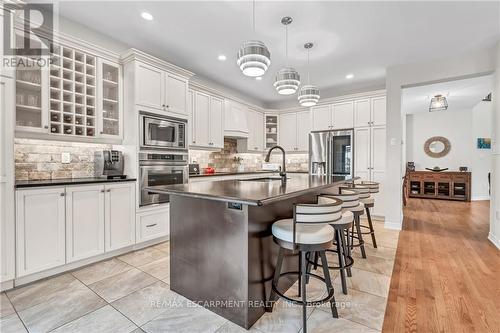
point(437, 146)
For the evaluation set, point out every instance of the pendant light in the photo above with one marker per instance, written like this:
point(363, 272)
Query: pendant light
point(308, 94)
point(287, 79)
point(438, 103)
point(253, 57)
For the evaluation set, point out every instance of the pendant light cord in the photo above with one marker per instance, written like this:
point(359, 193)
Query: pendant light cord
point(286, 44)
point(253, 16)
point(308, 73)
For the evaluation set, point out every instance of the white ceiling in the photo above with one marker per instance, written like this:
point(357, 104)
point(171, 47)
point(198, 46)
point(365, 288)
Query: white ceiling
point(363, 38)
point(460, 94)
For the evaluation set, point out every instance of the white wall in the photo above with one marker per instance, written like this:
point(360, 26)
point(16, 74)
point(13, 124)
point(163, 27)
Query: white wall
point(462, 128)
point(465, 65)
point(494, 235)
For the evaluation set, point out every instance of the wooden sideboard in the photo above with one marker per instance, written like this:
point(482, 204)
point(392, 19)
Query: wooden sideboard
point(440, 185)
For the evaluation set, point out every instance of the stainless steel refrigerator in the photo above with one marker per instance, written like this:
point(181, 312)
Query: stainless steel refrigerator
point(331, 152)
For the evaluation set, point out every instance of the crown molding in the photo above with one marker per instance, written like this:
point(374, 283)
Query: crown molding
point(137, 55)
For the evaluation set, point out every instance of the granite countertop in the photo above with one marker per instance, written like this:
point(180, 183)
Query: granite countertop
point(239, 173)
point(251, 192)
point(67, 181)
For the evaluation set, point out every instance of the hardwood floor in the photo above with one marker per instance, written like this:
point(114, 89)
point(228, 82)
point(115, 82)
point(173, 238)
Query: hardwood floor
point(446, 276)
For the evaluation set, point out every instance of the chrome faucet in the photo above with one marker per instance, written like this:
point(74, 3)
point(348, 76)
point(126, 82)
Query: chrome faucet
point(283, 165)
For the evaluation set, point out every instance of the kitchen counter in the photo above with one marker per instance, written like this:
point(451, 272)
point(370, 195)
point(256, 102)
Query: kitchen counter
point(67, 181)
point(222, 253)
point(251, 191)
point(238, 173)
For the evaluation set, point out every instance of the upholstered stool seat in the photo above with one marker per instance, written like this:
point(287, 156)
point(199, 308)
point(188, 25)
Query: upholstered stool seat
point(304, 234)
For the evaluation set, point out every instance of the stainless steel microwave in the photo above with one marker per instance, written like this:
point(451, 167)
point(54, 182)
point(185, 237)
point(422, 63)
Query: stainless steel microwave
point(159, 132)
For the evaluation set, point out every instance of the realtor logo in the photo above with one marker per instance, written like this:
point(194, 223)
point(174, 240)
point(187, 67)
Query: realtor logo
point(33, 31)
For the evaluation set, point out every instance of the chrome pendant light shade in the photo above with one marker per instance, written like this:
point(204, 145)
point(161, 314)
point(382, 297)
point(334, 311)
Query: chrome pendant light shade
point(287, 81)
point(438, 103)
point(308, 94)
point(254, 58)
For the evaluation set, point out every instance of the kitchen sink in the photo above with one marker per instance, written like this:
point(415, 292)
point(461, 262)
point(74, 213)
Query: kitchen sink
point(262, 180)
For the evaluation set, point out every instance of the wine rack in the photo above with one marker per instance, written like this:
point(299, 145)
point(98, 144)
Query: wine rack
point(72, 84)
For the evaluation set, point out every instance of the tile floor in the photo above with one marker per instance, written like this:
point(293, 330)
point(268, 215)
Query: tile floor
point(131, 293)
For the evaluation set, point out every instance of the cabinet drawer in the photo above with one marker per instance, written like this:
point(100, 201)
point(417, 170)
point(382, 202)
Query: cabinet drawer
point(460, 179)
point(152, 224)
point(444, 178)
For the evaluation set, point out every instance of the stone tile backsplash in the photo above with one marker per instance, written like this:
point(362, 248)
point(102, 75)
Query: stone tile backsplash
point(41, 159)
point(229, 160)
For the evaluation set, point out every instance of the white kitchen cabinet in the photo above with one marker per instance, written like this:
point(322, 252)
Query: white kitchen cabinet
point(294, 131)
point(216, 121)
point(149, 86)
point(176, 93)
point(7, 214)
point(333, 116)
point(288, 131)
point(152, 224)
point(343, 115)
point(378, 165)
point(201, 120)
point(119, 215)
point(40, 225)
point(362, 116)
point(256, 131)
point(378, 111)
point(160, 90)
point(322, 117)
point(84, 221)
point(370, 111)
point(303, 130)
point(369, 160)
point(362, 147)
point(207, 119)
point(110, 109)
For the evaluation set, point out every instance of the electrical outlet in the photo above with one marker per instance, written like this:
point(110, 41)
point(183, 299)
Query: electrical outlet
point(498, 215)
point(65, 158)
point(394, 141)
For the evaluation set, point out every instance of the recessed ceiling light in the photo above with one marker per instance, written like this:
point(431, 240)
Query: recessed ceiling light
point(349, 76)
point(147, 16)
point(258, 78)
point(222, 57)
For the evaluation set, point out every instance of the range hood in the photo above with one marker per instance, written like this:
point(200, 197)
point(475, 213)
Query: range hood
point(236, 121)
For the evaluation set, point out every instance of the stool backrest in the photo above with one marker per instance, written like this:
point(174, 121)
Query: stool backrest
point(363, 191)
point(325, 212)
point(350, 198)
point(372, 186)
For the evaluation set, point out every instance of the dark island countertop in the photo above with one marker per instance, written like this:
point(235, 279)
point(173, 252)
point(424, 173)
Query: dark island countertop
point(236, 173)
point(251, 192)
point(67, 181)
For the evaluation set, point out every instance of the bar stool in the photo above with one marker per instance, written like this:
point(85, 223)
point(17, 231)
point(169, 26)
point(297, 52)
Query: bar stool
point(349, 199)
point(358, 210)
point(308, 231)
point(369, 203)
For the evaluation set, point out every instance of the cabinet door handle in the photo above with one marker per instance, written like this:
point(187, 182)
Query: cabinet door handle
point(62, 194)
point(168, 106)
point(151, 225)
point(108, 190)
point(46, 126)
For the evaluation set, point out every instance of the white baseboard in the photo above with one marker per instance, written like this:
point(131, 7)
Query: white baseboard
point(480, 198)
point(392, 225)
point(494, 240)
point(6, 285)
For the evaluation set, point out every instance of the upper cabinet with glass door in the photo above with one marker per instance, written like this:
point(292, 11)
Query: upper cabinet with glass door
point(31, 97)
point(110, 124)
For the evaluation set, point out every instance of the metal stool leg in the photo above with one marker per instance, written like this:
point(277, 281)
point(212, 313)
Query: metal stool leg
point(302, 283)
point(329, 285)
point(370, 224)
point(347, 249)
point(360, 236)
point(340, 254)
point(300, 274)
point(274, 296)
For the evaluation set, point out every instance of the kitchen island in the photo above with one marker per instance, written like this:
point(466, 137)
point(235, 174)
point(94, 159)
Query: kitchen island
point(222, 253)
